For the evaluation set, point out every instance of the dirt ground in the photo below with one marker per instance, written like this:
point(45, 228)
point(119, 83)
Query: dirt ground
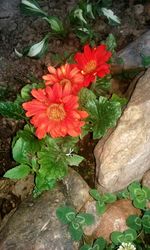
point(18, 31)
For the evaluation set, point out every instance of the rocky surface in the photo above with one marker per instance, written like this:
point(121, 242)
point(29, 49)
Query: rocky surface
point(146, 179)
point(35, 226)
point(114, 218)
point(125, 156)
point(132, 54)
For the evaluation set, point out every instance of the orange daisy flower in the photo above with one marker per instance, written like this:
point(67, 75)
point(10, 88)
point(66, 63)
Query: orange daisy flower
point(54, 110)
point(93, 62)
point(67, 74)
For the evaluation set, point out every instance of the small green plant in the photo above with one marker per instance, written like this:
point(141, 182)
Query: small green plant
point(139, 223)
point(75, 221)
point(80, 21)
point(102, 200)
point(127, 236)
point(140, 195)
point(99, 244)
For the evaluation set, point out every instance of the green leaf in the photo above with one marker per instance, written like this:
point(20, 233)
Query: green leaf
point(134, 222)
point(18, 172)
point(11, 110)
point(26, 91)
point(37, 50)
point(121, 100)
point(20, 151)
point(89, 10)
point(78, 13)
point(31, 7)
point(95, 194)
point(101, 86)
point(43, 183)
point(86, 247)
point(65, 214)
point(100, 207)
point(110, 15)
point(134, 189)
point(85, 219)
point(109, 198)
point(103, 115)
point(100, 244)
point(76, 231)
point(117, 237)
point(111, 43)
point(146, 221)
point(74, 160)
point(52, 165)
point(85, 96)
point(146, 61)
point(146, 190)
point(130, 235)
point(56, 24)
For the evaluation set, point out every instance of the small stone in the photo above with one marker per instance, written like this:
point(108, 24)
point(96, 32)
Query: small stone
point(114, 218)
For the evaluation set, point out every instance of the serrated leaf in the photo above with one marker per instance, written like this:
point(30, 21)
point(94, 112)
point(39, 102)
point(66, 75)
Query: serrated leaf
point(111, 43)
point(74, 160)
point(85, 95)
point(18, 172)
point(31, 7)
point(101, 86)
point(110, 15)
point(76, 232)
point(26, 91)
point(52, 165)
point(95, 194)
point(103, 114)
point(109, 198)
point(43, 183)
point(121, 100)
point(20, 150)
point(11, 110)
point(134, 222)
point(55, 23)
point(85, 219)
point(65, 214)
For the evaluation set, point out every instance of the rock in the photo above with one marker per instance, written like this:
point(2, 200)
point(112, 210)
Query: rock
point(77, 189)
point(131, 55)
point(125, 156)
point(35, 226)
point(146, 179)
point(114, 218)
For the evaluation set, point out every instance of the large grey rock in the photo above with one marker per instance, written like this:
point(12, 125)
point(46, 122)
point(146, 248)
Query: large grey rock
point(132, 54)
point(34, 225)
point(125, 156)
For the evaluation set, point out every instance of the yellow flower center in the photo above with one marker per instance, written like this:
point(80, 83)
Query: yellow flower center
point(64, 81)
point(90, 67)
point(56, 112)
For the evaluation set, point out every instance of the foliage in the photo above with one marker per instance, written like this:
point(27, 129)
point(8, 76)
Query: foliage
point(79, 20)
point(76, 221)
point(146, 61)
point(102, 200)
point(137, 193)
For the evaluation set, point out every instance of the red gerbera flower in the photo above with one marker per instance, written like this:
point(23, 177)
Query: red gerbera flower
point(55, 111)
point(93, 62)
point(67, 74)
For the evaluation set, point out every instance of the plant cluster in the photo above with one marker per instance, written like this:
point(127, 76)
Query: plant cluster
point(58, 111)
point(135, 237)
point(79, 20)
